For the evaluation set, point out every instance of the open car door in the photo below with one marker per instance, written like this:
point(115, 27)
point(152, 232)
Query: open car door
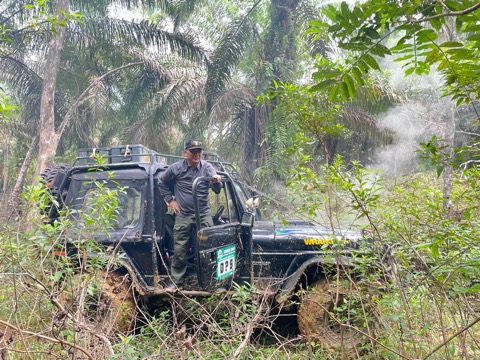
point(222, 250)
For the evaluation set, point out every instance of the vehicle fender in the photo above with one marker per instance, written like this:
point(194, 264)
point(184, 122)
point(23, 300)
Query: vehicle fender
point(288, 288)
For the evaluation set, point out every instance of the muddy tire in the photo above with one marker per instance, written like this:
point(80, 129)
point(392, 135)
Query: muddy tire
point(52, 178)
point(329, 314)
point(105, 303)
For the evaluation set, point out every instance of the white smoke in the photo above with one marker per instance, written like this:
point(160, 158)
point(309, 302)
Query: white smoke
point(414, 121)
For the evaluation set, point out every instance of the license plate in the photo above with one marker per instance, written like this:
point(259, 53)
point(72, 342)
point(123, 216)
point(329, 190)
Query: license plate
point(226, 262)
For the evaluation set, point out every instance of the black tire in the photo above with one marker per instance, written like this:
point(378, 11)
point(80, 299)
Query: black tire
point(52, 178)
point(330, 313)
point(110, 308)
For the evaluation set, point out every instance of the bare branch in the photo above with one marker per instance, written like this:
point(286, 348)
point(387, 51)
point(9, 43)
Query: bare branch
point(451, 338)
point(448, 14)
point(48, 338)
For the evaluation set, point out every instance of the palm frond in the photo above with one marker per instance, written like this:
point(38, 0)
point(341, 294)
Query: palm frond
point(306, 12)
point(169, 107)
point(124, 33)
point(225, 57)
point(230, 98)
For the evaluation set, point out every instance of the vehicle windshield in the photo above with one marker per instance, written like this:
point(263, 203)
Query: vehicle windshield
point(124, 205)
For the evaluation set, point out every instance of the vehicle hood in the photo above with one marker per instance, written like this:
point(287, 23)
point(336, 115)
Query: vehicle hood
point(297, 235)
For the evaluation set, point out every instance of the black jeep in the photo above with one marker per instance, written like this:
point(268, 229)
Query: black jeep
point(279, 259)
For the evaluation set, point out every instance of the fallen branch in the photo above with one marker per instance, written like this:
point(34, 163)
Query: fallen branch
point(451, 338)
point(48, 338)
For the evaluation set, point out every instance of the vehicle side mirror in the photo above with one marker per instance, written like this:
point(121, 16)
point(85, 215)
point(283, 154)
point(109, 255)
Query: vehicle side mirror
point(247, 219)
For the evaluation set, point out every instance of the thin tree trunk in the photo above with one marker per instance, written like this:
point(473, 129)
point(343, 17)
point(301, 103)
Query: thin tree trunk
point(448, 170)
point(48, 138)
point(5, 168)
point(13, 202)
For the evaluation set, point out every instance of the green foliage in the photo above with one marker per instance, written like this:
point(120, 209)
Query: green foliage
point(7, 109)
point(41, 13)
point(364, 29)
point(37, 276)
point(429, 266)
point(301, 121)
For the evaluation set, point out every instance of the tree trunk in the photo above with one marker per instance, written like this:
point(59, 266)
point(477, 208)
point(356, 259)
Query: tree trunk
point(280, 52)
point(448, 170)
point(48, 137)
point(13, 202)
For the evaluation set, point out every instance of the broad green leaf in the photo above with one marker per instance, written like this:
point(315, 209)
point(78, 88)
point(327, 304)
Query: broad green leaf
point(444, 64)
point(334, 92)
point(323, 84)
point(409, 71)
point(326, 74)
point(313, 30)
point(352, 91)
point(371, 33)
point(357, 75)
point(434, 250)
point(344, 91)
point(474, 37)
point(426, 35)
point(472, 28)
point(380, 50)
point(451, 44)
point(433, 56)
point(370, 61)
point(403, 58)
point(355, 46)
point(439, 170)
point(402, 48)
point(318, 23)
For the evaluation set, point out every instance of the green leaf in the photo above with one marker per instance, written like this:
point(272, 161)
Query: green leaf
point(451, 44)
point(318, 23)
point(334, 92)
point(370, 61)
point(439, 170)
point(326, 74)
point(403, 58)
point(344, 91)
point(372, 33)
point(323, 84)
point(409, 71)
point(472, 28)
point(474, 37)
point(426, 35)
point(443, 65)
point(434, 250)
point(357, 75)
point(352, 91)
point(380, 50)
point(433, 56)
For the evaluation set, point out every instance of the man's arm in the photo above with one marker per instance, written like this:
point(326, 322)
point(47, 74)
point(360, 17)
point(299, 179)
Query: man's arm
point(166, 178)
point(211, 172)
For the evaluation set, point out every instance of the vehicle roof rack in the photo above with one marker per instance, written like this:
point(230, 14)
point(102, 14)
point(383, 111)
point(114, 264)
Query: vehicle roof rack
point(137, 153)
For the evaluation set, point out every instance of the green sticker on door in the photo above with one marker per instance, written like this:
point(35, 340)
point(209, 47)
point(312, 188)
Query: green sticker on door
point(225, 262)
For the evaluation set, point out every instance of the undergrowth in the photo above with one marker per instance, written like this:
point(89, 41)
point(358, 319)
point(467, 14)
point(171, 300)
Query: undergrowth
point(429, 307)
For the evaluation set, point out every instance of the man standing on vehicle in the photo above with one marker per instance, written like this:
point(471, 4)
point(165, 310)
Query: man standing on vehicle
point(179, 177)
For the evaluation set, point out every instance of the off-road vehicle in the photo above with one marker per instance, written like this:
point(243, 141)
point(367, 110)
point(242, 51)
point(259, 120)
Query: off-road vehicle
point(278, 259)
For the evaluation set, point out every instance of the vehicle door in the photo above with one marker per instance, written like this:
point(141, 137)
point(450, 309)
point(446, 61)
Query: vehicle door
point(222, 251)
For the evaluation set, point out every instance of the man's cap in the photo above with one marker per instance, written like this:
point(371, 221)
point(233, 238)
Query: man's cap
point(193, 144)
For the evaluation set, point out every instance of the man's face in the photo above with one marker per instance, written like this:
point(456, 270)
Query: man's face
point(193, 156)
